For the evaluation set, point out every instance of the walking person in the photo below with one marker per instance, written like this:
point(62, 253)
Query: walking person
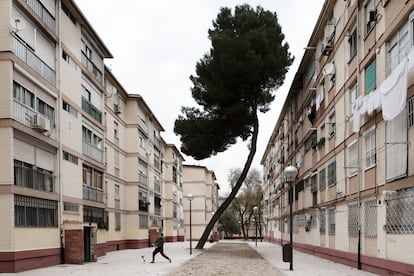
point(159, 247)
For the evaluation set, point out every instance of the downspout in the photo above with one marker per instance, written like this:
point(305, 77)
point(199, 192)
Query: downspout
point(358, 139)
point(59, 131)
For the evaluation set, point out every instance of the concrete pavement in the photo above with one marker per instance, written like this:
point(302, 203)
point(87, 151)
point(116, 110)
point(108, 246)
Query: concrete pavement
point(131, 262)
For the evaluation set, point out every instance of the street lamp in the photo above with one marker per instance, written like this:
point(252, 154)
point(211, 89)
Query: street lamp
point(290, 173)
point(190, 198)
point(255, 209)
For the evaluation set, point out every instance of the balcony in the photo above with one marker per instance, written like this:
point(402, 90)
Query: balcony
point(91, 67)
point(92, 193)
point(43, 13)
point(23, 114)
point(23, 52)
point(92, 151)
point(92, 110)
point(142, 179)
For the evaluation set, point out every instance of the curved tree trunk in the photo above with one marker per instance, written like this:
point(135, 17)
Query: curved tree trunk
point(236, 188)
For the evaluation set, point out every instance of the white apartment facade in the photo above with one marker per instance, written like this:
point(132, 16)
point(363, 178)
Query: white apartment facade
point(347, 126)
point(201, 183)
point(83, 161)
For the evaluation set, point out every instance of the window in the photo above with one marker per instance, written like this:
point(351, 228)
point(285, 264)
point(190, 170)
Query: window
point(23, 95)
point(398, 47)
point(352, 42)
point(116, 159)
point(117, 221)
point(322, 179)
point(70, 157)
point(331, 221)
point(142, 201)
point(332, 172)
point(399, 213)
point(46, 110)
point(332, 123)
point(86, 94)
point(91, 138)
point(92, 177)
point(370, 217)
point(70, 109)
point(116, 129)
point(322, 221)
point(71, 207)
point(93, 214)
point(370, 15)
point(353, 219)
point(396, 147)
point(68, 13)
point(143, 221)
point(116, 192)
point(314, 189)
point(352, 99)
point(86, 50)
point(30, 176)
point(411, 112)
point(69, 60)
point(370, 155)
point(35, 212)
point(370, 78)
point(353, 159)
point(311, 141)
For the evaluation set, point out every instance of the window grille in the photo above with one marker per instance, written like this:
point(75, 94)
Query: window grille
point(117, 221)
point(400, 213)
point(143, 221)
point(322, 221)
point(322, 179)
point(411, 112)
point(35, 212)
point(331, 221)
point(353, 219)
point(370, 217)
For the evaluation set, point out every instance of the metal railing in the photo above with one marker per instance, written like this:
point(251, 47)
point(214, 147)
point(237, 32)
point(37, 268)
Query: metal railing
point(92, 193)
point(92, 151)
point(92, 110)
point(43, 13)
point(23, 114)
point(92, 68)
point(24, 53)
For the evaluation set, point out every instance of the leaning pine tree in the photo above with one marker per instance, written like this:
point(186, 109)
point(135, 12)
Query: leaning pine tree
point(247, 62)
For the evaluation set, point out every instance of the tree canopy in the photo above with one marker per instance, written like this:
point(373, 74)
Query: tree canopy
point(237, 78)
point(247, 61)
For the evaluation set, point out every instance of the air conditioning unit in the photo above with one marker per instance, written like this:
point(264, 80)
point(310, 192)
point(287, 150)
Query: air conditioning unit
point(117, 108)
point(326, 47)
point(40, 123)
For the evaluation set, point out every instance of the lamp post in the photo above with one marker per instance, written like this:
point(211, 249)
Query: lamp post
point(290, 173)
point(190, 198)
point(255, 208)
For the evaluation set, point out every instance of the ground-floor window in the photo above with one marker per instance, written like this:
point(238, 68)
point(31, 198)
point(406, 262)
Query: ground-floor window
point(35, 212)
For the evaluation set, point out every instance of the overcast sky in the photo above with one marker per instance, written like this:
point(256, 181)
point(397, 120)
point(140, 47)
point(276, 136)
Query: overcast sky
point(156, 45)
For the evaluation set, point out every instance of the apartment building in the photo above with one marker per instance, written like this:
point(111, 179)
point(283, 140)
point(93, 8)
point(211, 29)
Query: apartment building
point(201, 184)
point(83, 161)
point(347, 126)
point(173, 194)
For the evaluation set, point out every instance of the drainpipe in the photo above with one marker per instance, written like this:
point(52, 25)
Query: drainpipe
point(358, 139)
point(58, 129)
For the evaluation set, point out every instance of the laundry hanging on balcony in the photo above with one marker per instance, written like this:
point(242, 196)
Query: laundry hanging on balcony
point(390, 96)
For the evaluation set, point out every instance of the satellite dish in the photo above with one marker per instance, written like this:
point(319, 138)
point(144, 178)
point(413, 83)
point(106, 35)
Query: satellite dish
point(110, 91)
point(17, 24)
point(329, 69)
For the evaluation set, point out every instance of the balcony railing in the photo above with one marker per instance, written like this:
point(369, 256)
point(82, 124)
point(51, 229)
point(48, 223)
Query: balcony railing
point(92, 151)
point(91, 67)
point(24, 53)
point(43, 13)
point(142, 179)
point(23, 114)
point(89, 108)
point(92, 193)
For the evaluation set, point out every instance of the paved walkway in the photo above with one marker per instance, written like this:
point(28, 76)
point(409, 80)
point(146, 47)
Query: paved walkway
point(222, 258)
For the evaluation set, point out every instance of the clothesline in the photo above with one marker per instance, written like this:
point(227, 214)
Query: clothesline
point(390, 96)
